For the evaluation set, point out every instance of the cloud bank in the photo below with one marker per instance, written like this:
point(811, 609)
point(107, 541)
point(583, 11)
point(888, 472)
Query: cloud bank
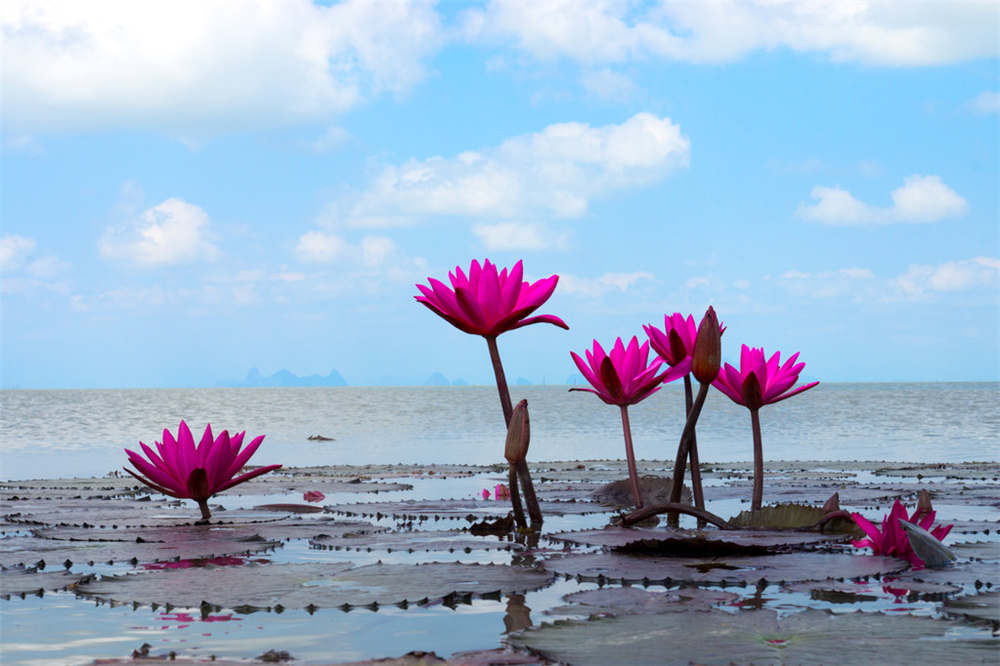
point(920, 199)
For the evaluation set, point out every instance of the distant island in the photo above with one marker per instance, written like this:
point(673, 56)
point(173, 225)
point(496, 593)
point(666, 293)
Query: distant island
point(438, 379)
point(285, 378)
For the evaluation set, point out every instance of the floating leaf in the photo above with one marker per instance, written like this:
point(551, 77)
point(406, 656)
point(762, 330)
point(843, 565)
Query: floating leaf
point(976, 607)
point(319, 585)
point(789, 516)
point(630, 600)
point(807, 637)
point(694, 542)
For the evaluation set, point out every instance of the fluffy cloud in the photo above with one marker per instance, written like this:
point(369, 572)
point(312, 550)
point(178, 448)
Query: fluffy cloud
point(194, 66)
point(505, 236)
point(854, 282)
point(14, 251)
point(985, 103)
point(23, 271)
point(920, 199)
point(903, 33)
point(595, 287)
point(552, 173)
point(173, 232)
point(320, 247)
point(952, 276)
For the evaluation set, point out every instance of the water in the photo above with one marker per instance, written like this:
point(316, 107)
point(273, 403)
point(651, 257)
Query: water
point(82, 432)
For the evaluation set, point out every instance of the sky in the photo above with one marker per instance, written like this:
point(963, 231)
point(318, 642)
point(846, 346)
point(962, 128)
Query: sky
point(193, 189)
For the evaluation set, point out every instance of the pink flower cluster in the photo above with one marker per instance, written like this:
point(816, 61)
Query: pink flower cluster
point(891, 540)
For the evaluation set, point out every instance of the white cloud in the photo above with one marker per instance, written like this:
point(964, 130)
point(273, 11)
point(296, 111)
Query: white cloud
point(173, 232)
point(595, 287)
point(14, 251)
point(920, 199)
point(320, 247)
point(333, 137)
point(552, 173)
point(985, 102)
point(205, 65)
point(854, 282)
point(505, 236)
point(952, 276)
point(608, 84)
point(904, 33)
point(48, 267)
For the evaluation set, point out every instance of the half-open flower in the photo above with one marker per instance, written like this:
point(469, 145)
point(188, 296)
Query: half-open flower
point(625, 376)
point(488, 302)
point(892, 540)
point(773, 380)
point(180, 469)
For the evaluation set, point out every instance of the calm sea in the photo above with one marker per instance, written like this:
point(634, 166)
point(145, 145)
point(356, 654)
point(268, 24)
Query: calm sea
point(82, 432)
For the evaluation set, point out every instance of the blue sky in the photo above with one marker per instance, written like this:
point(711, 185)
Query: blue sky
point(192, 190)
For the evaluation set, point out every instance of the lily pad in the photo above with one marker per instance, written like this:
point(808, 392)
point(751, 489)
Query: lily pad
point(631, 600)
point(416, 541)
point(654, 490)
point(456, 509)
point(852, 592)
point(807, 637)
point(315, 585)
point(695, 542)
point(789, 516)
point(737, 570)
point(27, 580)
point(976, 607)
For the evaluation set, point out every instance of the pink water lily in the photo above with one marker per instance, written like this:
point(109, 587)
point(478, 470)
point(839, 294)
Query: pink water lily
point(891, 540)
point(760, 382)
point(180, 469)
point(313, 496)
point(488, 302)
point(625, 377)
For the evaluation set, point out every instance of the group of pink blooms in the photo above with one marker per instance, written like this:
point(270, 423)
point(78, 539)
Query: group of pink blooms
point(489, 302)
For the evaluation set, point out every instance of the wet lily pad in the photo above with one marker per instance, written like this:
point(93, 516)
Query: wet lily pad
point(415, 542)
point(456, 509)
point(789, 516)
point(631, 600)
point(315, 585)
point(654, 490)
point(27, 580)
point(976, 607)
point(984, 550)
point(736, 570)
point(695, 542)
point(852, 592)
point(807, 637)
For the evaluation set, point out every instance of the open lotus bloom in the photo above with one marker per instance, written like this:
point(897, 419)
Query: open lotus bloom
point(487, 302)
point(625, 376)
point(892, 540)
point(180, 469)
point(760, 382)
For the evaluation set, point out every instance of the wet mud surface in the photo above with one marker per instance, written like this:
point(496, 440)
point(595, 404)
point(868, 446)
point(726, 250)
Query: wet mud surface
point(385, 569)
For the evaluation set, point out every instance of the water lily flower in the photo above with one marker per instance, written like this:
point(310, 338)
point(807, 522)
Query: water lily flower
point(675, 345)
point(760, 382)
point(489, 302)
point(892, 540)
point(622, 378)
point(486, 494)
point(313, 496)
point(180, 469)
point(500, 491)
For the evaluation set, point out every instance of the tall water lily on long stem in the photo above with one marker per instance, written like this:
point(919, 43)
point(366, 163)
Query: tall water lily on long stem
point(675, 345)
point(489, 302)
point(706, 356)
point(622, 378)
point(760, 382)
point(179, 469)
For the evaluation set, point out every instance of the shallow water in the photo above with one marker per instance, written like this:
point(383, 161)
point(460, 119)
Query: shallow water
point(87, 429)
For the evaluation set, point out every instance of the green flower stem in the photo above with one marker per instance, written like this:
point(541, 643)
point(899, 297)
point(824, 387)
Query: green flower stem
point(699, 494)
point(205, 513)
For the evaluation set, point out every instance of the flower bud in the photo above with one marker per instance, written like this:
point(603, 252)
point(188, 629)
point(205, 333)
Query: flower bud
point(518, 434)
point(707, 356)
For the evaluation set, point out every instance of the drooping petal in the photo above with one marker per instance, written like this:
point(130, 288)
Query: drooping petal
point(868, 528)
point(151, 472)
point(249, 475)
point(540, 319)
point(160, 489)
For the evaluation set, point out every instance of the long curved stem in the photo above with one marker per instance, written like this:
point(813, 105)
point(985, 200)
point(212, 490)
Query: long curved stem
point(654, 509)
point(699, 494)
point(684, 448)
point(505, 403)
point(633, 474)
point(758, 462)
point(508, 411)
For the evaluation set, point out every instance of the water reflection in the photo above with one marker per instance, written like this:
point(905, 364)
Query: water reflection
point(518, 615)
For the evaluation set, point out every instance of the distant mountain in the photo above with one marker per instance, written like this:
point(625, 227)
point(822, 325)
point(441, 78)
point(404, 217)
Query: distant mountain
point(437, 379)
point(459, 382)
point(285, 378)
